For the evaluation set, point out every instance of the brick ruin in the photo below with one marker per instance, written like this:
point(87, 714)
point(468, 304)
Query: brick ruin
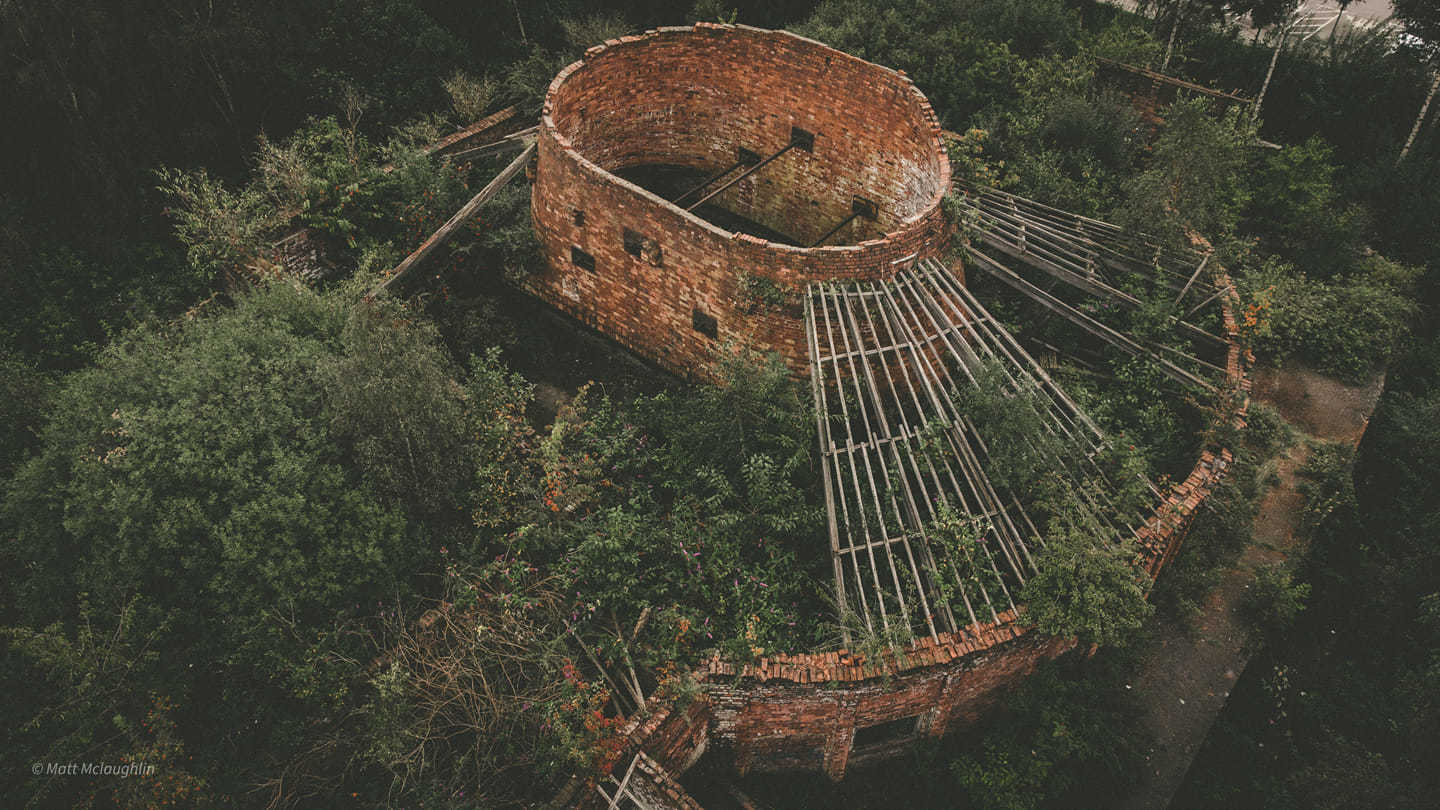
point(803, 165)
point(864, 154)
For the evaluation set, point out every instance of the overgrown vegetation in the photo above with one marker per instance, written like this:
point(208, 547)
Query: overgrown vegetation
point(279, 539)
point(1339, 710)
point(1222, 528)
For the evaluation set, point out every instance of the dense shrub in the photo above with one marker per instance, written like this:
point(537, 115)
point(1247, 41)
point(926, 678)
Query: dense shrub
point(1295, 209)
point(694, 503)
point(1085, 589)
point(222, 491)
point(1346, 327)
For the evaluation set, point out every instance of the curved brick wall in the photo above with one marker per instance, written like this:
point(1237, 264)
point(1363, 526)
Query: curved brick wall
point(828, 711)
point(690, 97)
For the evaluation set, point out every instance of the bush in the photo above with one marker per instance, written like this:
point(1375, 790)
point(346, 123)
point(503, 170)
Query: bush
point(478, 701)
point(1066, 738)
point(224, 231)
point(1295, 209)
point(24, 390)
point(1222, 528)
point(1275, 600)
point(229, 491)
point(1193, 182)
point(960, 70)
point(1346, 327)
point(469, 97)
point(1086, 588)
point(694, 503)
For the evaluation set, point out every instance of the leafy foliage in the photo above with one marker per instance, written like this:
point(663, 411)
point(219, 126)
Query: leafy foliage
point(697, 504)
point(180, 486)
point(1193, 180)
point(1064, 740)
point(477, 701)
point(1345, 327)
point(1085, 588)
point(1222, 530)
point(1275, 601)
point(1296, 209)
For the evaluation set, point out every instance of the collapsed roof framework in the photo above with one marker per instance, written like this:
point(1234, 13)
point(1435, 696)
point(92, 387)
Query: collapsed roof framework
point(902, 458)
point(887, 359)
point(1103, 261)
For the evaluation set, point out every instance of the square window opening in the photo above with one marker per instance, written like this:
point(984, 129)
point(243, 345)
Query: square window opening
point(581, 259)
point(704, 324)
point(889, 731)
point(634, 242)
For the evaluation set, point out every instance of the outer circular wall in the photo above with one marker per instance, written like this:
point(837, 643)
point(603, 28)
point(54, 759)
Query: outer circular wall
point(689, 97)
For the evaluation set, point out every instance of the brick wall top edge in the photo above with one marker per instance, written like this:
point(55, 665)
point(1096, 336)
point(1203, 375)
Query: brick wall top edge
point(922, 109)
point(843, 666)
point(710, 28)
point(590, 167)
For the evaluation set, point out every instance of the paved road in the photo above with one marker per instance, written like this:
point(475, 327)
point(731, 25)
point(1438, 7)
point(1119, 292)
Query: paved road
point(1363, 9)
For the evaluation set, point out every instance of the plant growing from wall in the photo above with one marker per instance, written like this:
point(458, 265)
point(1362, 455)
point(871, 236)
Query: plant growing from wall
point(759, 294)
point(969, 163)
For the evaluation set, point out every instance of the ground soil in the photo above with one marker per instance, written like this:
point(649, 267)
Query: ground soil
point(1188, 672)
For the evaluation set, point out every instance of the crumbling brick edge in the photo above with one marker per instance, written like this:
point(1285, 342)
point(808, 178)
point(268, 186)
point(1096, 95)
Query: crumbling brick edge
point(796, 712)
point(636, 298)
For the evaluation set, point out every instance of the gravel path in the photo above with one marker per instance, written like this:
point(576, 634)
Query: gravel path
point(1188, 674)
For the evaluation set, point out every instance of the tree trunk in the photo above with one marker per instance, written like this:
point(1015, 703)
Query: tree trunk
point(519, 22)
point(1260, 99)
point(1420, 119)
point(1174, 28)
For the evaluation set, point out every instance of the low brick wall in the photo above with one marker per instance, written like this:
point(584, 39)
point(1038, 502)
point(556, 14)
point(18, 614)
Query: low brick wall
point(826, 711)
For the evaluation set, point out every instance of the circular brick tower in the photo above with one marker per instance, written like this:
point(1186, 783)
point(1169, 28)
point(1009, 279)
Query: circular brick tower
point(690, 181)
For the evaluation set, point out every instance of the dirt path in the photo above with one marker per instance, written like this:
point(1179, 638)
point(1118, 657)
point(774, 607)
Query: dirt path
point(1187, 675)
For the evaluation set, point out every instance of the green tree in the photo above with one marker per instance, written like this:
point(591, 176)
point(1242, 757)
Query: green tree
point(1422, 20)
point(1193, 181)
point(243, 490)
point(1086, 587)
point(1296, 209)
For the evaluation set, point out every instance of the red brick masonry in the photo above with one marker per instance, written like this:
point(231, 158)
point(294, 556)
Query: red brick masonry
point(690, 97)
